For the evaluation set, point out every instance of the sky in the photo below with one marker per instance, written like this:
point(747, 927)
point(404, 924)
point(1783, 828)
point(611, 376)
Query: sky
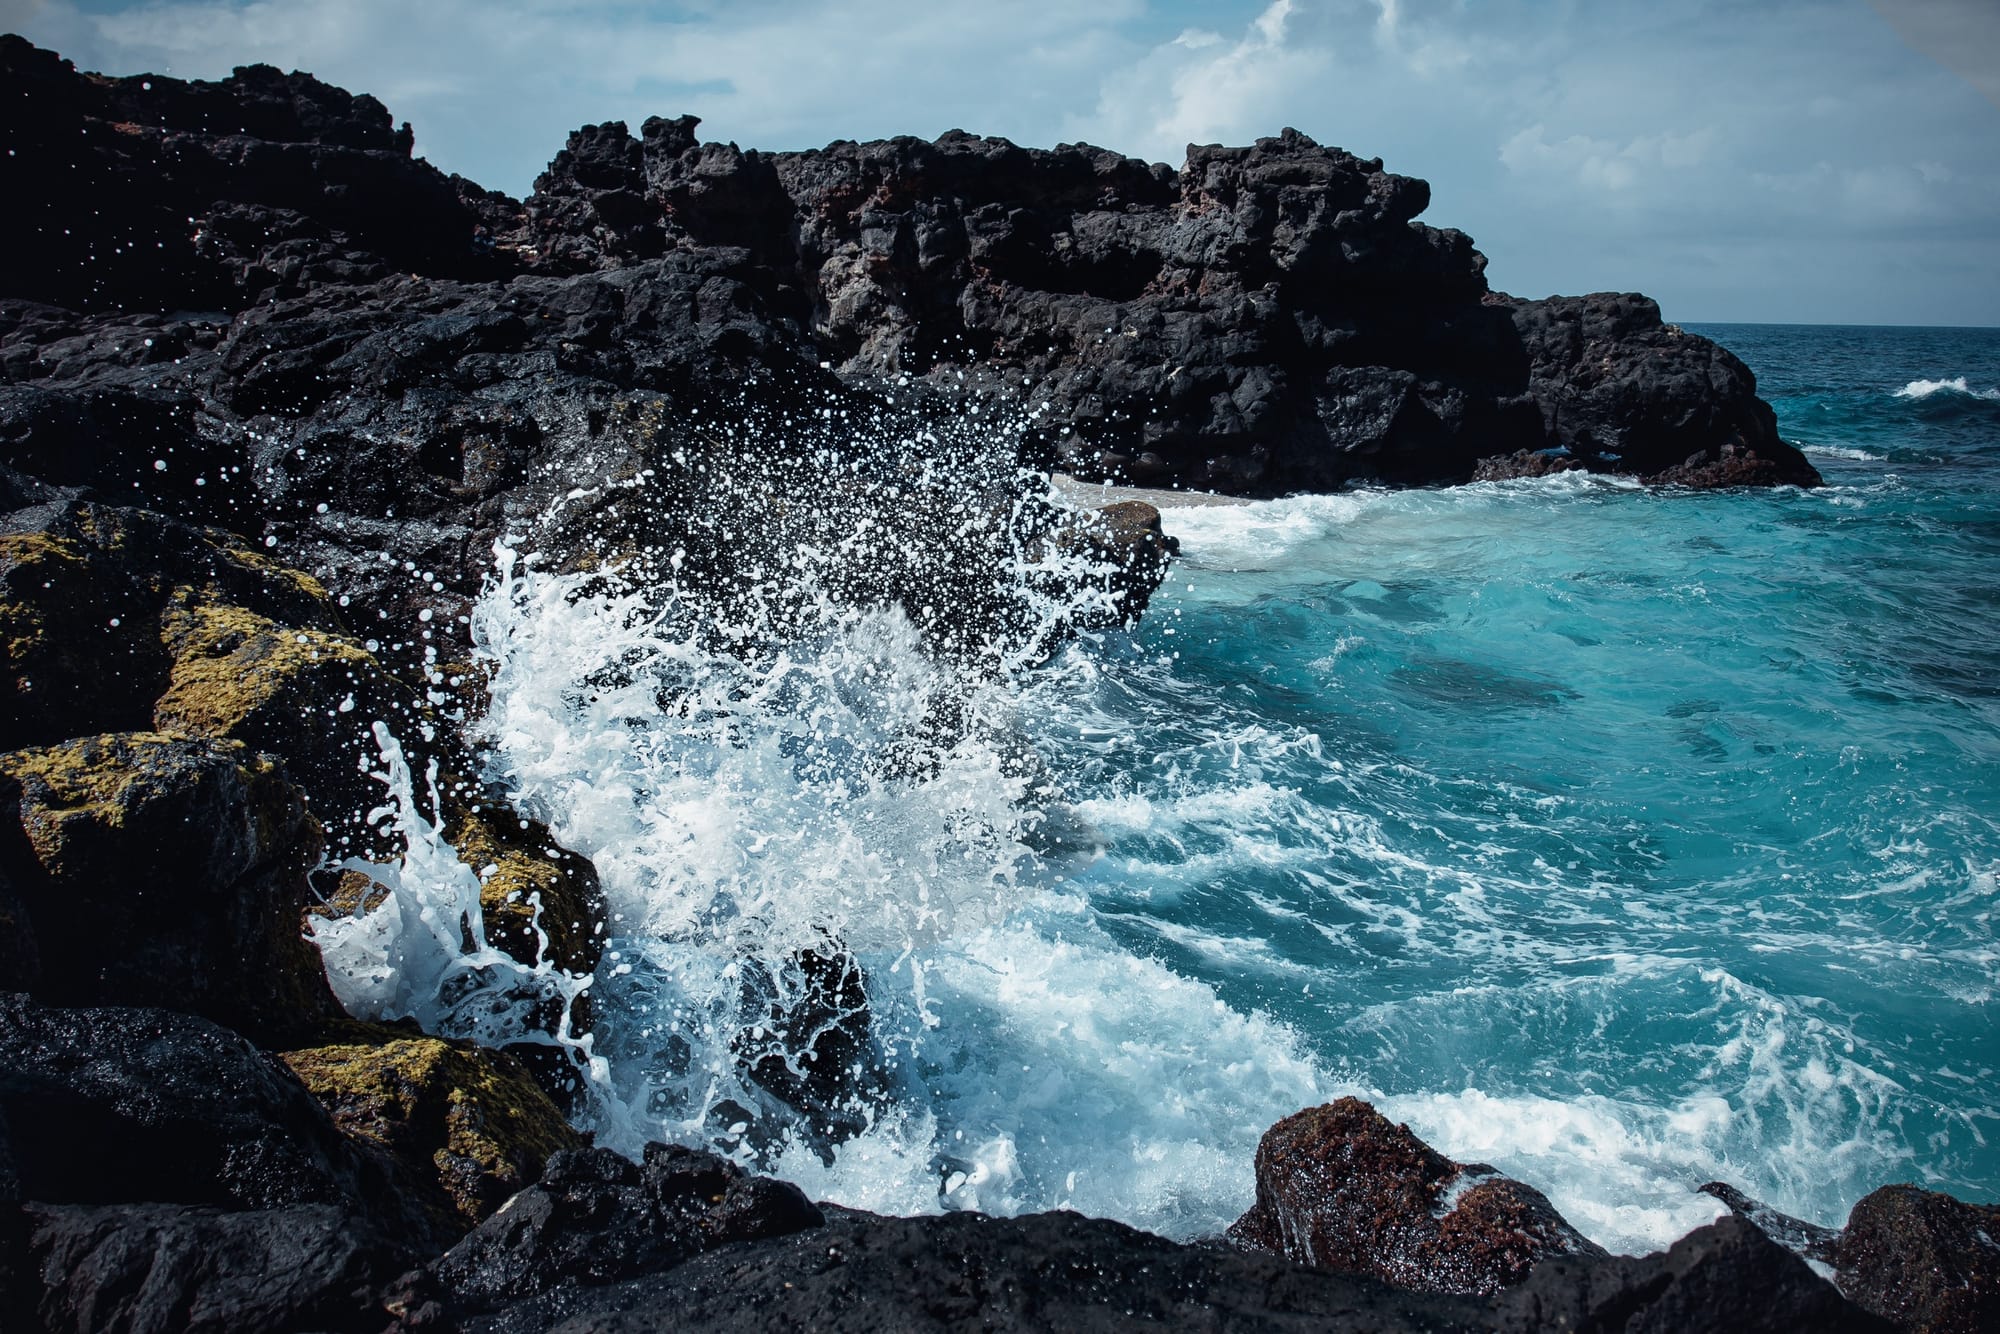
point(1811, 161)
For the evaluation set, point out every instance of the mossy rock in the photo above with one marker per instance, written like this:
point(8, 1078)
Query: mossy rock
point(155, 870)
point(469, 1126)
point(81, 596)
point(116, 620)
point(309, 697)
point(520, 864)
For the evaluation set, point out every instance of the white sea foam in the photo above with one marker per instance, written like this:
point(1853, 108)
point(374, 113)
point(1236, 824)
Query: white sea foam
point(1955, 385)
point(1839, 452)
point(420, 952)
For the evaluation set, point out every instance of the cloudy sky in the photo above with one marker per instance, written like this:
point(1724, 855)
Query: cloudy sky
point(1785, 160)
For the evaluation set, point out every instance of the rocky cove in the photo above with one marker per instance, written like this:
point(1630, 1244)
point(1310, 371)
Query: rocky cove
point(273, 392)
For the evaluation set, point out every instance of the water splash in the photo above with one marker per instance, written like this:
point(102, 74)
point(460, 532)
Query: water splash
point(418, 948)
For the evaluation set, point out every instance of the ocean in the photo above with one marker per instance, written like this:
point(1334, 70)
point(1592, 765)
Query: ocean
point(1622, 839)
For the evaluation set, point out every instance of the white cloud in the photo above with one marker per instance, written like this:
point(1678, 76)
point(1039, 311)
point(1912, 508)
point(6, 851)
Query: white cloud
point(1202, 88)
point(1602, 165)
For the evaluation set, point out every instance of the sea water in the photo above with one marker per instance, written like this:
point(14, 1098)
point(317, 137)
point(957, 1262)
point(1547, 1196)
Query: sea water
point(1622, 839)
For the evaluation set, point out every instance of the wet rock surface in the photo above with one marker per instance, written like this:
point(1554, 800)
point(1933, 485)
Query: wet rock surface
point(470, 1125)
point(1923, 1260)
point(1342, 1187)
point(155, 870)
point(1726, 1276)
point(596, 1218)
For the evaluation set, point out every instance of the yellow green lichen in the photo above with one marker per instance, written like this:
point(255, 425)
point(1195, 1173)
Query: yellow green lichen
point(470, 1124)
point(230, 665)
point(520, 868)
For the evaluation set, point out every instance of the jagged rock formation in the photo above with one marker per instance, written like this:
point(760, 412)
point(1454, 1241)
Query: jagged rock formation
point(245, 303)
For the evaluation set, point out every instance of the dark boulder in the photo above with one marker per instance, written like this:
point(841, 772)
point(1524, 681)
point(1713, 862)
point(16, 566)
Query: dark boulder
point(467, 1125)
point(152, 870)
point(1625, 392)
point(169, 1175)
point(1344, 1188)
point(1807, 1240)
point(597, 1218)
point(971, 1273)
point(1727, 1276)
point(115, 1105)
point(181, 1269)
point(1924, 1260)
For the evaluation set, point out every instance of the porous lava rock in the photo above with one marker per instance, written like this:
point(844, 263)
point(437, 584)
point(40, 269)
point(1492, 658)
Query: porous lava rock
point(966, 1273)
point(110, 1104)
point(1344, 1188)
point(177, 1269)
point(469, 1125)
point(245, 303)
point(159, 1172)
point(1924, 1260)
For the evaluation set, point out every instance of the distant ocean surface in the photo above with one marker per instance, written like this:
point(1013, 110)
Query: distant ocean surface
point(1622, 839)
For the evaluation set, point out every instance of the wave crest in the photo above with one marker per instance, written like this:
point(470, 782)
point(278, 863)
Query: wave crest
point(1921, 389)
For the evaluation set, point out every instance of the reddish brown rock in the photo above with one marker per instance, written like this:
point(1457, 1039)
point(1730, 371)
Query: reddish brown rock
point(1924, 1260)
point(1342, 1187)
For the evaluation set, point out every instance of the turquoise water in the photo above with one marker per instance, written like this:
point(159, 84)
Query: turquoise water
point(1623, 839)
point(1682, 810)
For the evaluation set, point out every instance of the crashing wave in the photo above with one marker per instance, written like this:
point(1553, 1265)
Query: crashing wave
point(1922, 389)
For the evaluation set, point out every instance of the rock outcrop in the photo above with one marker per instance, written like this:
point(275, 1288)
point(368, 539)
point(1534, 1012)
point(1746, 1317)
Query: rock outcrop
point(246, 303)
point(156, 870)
point(470, 1126)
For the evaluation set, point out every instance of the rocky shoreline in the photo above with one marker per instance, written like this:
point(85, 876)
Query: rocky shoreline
point(272, 391)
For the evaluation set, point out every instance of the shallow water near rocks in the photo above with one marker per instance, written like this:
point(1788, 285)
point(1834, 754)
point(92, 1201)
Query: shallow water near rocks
point(1621, 839)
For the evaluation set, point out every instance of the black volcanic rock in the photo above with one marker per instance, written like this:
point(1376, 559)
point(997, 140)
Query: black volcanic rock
point(245, 303)
point(158, 1172)
point(202, 1270)
point(596, 1218)
point(1726, 1276)
point(156, 870)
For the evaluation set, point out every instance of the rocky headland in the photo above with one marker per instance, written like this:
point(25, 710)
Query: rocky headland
point(271, 391)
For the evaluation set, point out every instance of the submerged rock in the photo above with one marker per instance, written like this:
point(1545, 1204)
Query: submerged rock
point(811, 1040)
point(469, 1125)
point(1924, 1260)
point(1343, 1188)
